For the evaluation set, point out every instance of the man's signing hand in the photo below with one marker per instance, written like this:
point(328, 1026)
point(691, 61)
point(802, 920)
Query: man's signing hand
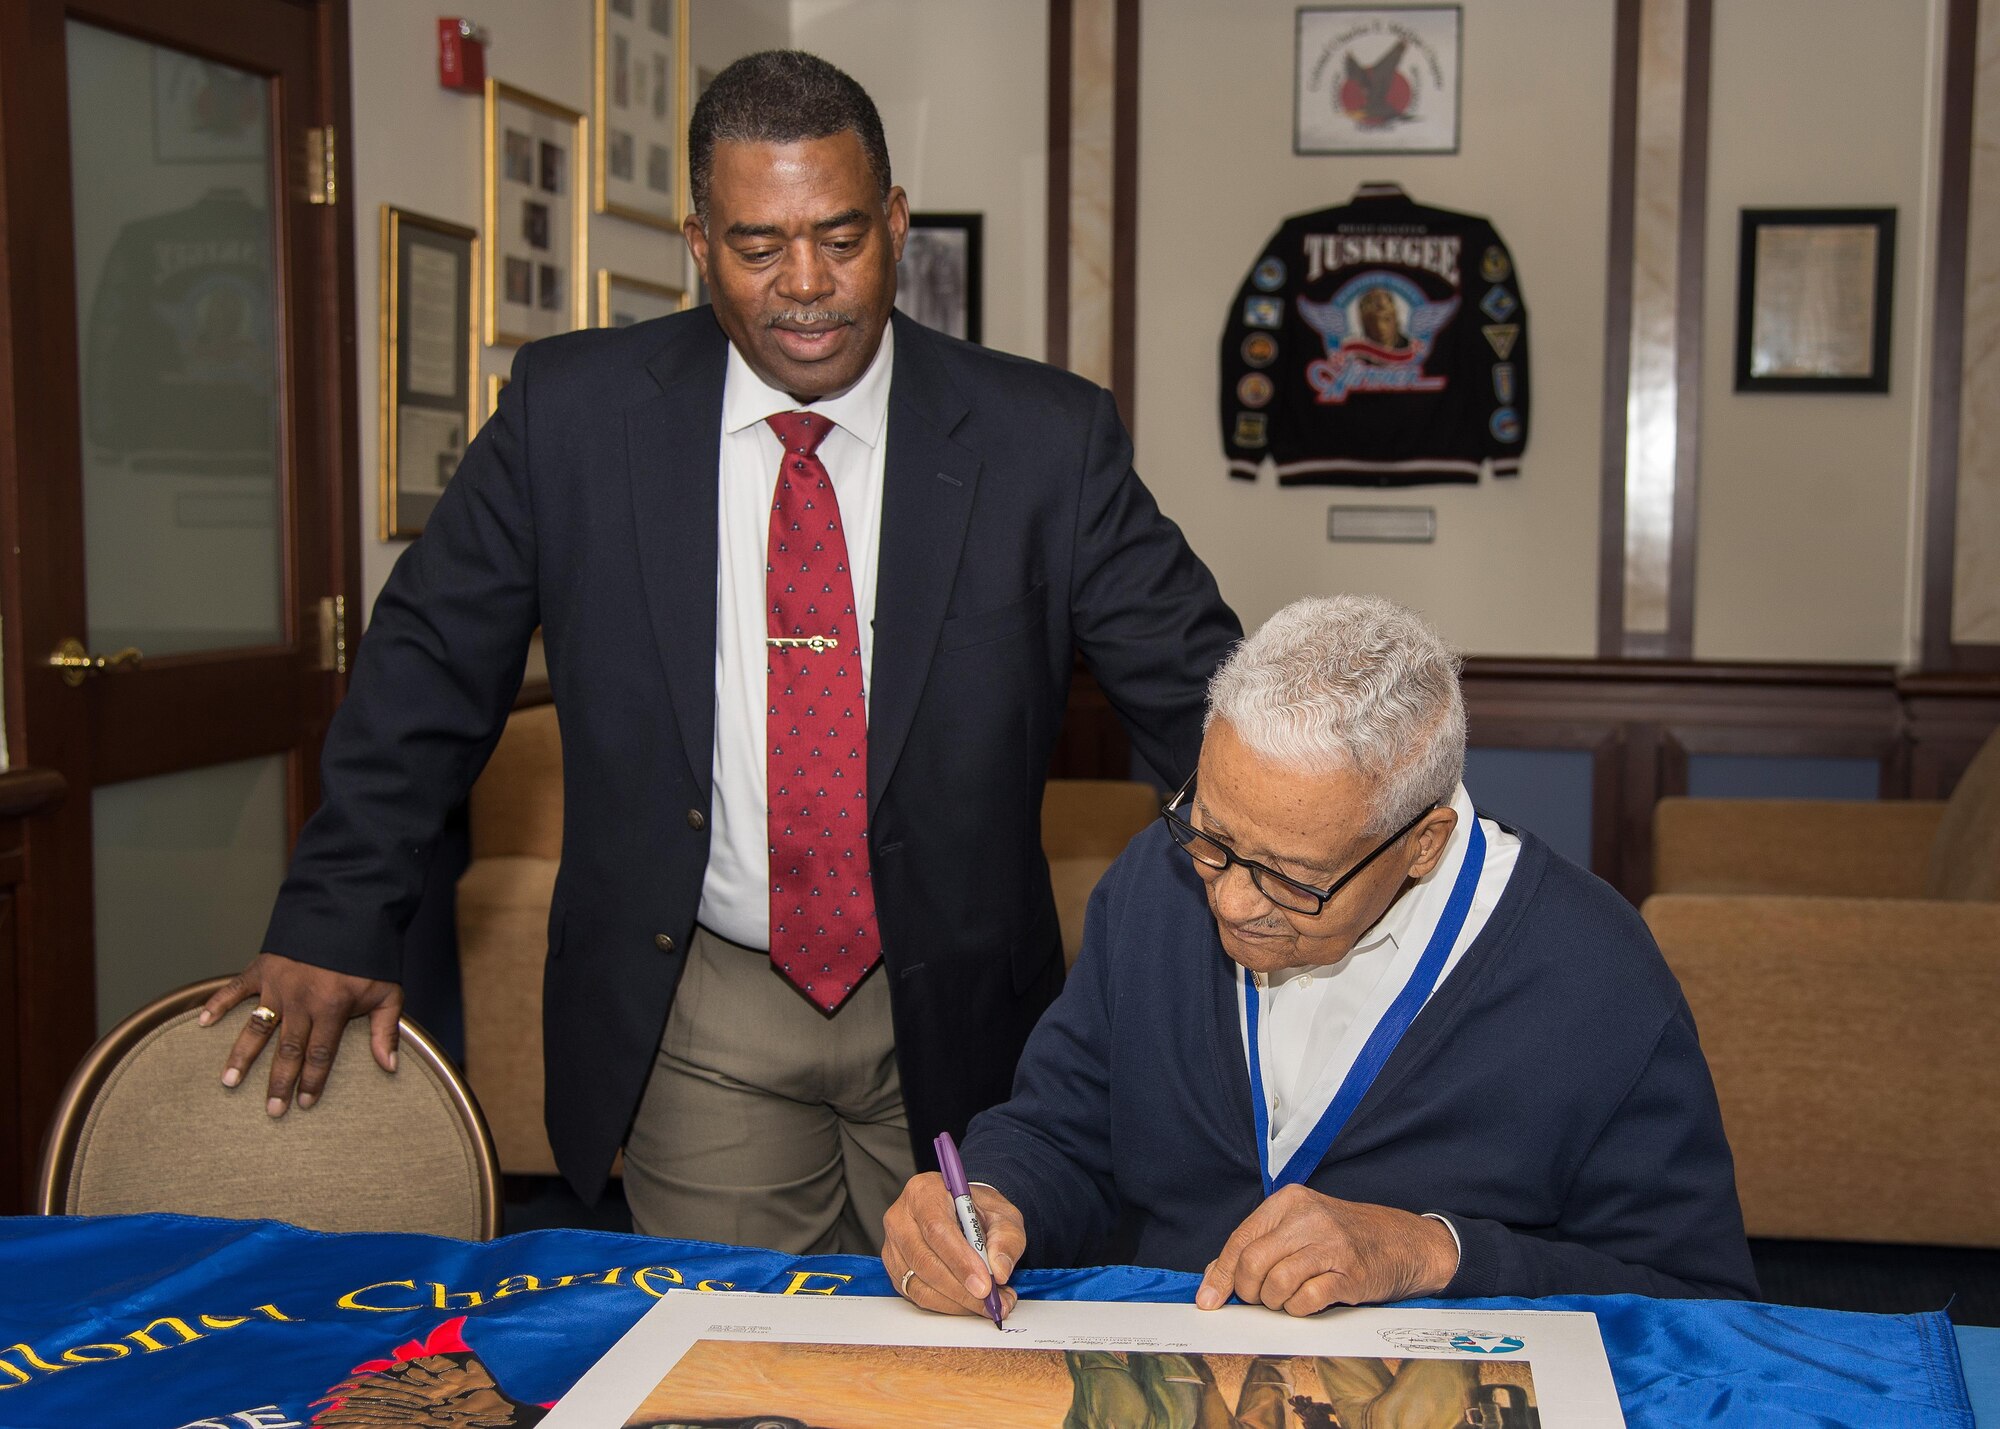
point(928, 1258)
point(1300, 1252)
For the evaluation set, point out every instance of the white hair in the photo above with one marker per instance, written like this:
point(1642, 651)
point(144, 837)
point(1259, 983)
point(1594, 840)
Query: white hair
point(1350, 682)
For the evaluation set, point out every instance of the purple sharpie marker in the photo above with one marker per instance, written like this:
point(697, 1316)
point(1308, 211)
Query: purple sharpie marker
point(968, 1218)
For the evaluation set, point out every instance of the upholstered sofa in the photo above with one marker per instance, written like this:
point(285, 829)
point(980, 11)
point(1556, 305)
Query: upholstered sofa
point(1843, 964)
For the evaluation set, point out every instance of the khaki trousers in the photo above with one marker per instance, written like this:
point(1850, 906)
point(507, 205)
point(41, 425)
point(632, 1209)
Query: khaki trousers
point(765, 1122)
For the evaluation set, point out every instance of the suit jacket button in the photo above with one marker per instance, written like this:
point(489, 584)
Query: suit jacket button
point(663, 942)
point(695, 820)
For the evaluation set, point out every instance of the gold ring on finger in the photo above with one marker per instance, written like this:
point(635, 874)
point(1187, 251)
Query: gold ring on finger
point(264, 1018)
point(903, 1286)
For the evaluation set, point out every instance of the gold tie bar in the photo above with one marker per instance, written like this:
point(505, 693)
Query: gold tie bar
point(818, 644)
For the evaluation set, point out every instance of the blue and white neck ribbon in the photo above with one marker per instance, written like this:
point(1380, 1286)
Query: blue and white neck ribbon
point(1381, 1042)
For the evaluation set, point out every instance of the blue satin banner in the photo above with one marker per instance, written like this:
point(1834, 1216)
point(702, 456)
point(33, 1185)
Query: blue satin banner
point(166, 1322)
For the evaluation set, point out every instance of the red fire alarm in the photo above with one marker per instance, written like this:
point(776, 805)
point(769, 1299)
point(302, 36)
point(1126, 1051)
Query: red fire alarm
point(461, 54)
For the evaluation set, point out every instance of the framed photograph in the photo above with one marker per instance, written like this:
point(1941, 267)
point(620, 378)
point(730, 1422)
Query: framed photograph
point(428, 363)
point(205, 113)
point(940, 278)
point(537, 223)
point(640, 92)
point(623, 301)
point(1813, 288)
point(1374, 80)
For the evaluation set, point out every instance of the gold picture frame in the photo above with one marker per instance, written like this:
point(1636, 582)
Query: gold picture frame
point(642, 300)
point(427, 363)
point(639, 95)
point(495, 383)
point(537, 219)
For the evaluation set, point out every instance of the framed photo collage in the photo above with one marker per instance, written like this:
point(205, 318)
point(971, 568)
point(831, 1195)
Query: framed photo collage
point(448, 292)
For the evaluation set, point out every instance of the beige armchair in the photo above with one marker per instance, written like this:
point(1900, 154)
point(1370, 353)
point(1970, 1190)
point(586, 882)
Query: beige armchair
point(503, 933)
point(1843, 964)
point(1086, 823)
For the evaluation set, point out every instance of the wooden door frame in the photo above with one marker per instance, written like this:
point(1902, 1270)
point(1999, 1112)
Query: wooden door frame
point(53, 1011)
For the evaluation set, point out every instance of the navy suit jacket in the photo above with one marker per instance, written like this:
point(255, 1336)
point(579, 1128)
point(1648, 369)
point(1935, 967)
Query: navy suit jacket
point(1014, 533)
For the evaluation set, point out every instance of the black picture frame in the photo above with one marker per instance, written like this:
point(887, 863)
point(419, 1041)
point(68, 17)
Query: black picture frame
point(1795, 331)
point(942, 277)
point(427, 363)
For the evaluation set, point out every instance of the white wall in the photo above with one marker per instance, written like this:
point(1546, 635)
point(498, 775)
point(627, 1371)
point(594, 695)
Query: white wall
point(724, 30)
point(1810, 504)
point(1807, 515)
point(963, 90)
point(1514, 567)
point(418, 146)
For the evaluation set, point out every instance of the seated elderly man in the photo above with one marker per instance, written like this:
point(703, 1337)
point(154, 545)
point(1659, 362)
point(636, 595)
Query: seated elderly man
point(1336, 1040)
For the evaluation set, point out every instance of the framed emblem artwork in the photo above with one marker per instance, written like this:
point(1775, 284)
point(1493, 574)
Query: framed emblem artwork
point(1376, 80)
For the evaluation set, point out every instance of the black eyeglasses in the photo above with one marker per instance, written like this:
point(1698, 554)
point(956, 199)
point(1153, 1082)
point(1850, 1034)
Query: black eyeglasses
point(1287, 893)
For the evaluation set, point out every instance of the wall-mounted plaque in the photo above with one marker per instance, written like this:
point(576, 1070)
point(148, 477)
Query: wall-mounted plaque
point(427, 362)
point(1812, 299)
point(939, 281)
point(536, 217)
point(623, 301)
point(641, 65)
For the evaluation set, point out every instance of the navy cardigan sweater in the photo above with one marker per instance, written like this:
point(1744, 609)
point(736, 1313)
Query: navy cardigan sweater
point(1550, 1099)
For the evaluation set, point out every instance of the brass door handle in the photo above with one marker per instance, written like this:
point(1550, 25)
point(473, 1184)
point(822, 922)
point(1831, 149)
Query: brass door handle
point(75, 662)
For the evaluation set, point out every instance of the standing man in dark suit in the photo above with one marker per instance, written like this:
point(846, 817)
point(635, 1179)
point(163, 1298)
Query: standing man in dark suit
point(810, 582)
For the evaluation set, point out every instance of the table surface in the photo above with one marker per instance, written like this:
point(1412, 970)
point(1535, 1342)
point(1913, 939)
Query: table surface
point(1979, 1352)
point(229, 1315)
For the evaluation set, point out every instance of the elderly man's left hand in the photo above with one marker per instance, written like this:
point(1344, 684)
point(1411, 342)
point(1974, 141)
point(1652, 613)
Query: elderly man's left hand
point(1300, 1252)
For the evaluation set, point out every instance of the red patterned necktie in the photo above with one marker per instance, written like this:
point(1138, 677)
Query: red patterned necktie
point(823, 936)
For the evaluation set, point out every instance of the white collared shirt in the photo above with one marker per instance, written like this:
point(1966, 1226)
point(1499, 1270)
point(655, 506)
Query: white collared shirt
point(736, 891)
point(1313, 1021)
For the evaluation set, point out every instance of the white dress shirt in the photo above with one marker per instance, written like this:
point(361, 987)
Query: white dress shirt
point(1313, 1021)
point(736, 891)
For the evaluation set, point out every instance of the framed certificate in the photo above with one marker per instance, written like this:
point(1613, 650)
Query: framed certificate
point(428, 363)
point(536, 219)
point(1813, 291)
point(640, 64)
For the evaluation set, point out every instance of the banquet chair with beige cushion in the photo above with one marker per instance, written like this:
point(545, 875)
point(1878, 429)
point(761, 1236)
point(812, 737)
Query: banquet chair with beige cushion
point(1843, 964)
point(145, 1124)
point(1086, 824)
point(503, 932)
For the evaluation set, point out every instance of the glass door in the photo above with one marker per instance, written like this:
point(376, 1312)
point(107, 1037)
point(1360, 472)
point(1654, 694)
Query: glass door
point(172, 193)
point(181, 393)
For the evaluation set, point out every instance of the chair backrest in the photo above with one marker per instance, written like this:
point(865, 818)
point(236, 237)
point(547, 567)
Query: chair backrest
point(1086, 823)
point(145, 1124)
point(1965, 859)
point(1095, 817)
